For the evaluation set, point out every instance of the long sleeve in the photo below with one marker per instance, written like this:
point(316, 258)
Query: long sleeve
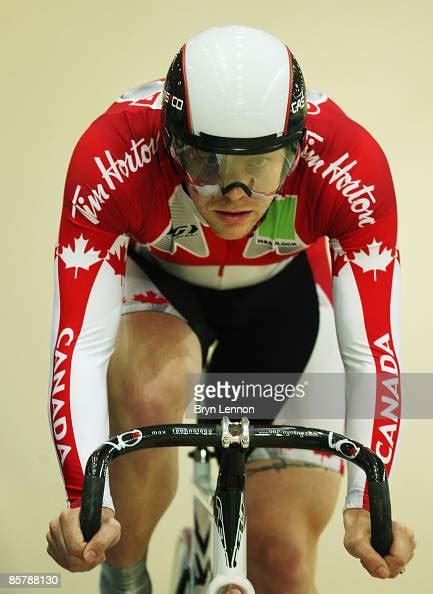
point(89, 269)
point(366, 268)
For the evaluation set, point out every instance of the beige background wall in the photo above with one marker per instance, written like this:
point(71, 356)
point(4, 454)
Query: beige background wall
point(62, 64)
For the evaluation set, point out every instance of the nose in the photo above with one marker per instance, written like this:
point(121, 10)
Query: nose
point(235, 194)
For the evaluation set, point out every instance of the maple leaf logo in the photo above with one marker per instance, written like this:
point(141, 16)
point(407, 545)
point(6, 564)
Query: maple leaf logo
point(116, 260)
point(77, 257)
point(150, 297)
point(373, 260)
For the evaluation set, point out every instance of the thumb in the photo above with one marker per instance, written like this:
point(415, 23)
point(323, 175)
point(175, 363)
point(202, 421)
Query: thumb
point(106, 537)
point(376, 566)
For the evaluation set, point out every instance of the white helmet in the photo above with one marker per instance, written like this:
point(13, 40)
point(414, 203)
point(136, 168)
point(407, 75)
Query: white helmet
point(233, 90)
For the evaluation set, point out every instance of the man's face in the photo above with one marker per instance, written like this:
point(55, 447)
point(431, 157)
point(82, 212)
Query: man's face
point(231, 215)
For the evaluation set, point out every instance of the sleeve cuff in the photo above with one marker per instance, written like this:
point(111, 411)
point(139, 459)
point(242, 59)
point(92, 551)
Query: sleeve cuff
point(357, 499)
point(107, 500)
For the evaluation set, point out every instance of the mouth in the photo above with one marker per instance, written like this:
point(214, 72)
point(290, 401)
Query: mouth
point(233, 218)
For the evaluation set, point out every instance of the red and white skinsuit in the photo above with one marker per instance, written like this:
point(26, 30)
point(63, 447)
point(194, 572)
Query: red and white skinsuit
point(120, 186)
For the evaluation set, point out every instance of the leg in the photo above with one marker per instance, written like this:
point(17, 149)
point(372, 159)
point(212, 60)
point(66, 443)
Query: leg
point(292, 495)
point(146, 387)
point(287, 509)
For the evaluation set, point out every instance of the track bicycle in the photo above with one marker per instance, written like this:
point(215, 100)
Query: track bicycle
point(212, 557)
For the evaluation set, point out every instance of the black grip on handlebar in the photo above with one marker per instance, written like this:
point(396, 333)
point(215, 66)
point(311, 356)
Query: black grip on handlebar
point(380, 514)
point(90, 513)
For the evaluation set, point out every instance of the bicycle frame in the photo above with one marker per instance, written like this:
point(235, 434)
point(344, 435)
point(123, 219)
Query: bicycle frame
point(228, 505)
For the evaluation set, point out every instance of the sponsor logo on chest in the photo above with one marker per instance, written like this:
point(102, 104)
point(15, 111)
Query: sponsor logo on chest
point(184, 229)
point(277, 232)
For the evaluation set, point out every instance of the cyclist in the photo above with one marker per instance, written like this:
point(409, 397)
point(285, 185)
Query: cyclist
point(224, 179)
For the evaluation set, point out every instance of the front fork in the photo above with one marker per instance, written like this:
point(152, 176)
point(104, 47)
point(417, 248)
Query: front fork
point(230, 534)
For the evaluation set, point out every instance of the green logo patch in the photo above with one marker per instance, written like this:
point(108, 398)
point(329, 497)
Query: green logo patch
point(278, 228)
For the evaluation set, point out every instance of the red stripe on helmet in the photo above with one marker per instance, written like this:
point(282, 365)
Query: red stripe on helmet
point(289, 99)
point(185, 86)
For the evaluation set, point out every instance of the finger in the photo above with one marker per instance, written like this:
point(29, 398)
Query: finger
point(54, 555)
point(57, 537)
point(397, 562)
point(80, 565)
point(396, 565)
point(54, 551)
point(72, 563)
point(51, 553)
point(67, 560)
point(71, 532)
point(402, 549)
point(106, 537)
point(369, 558)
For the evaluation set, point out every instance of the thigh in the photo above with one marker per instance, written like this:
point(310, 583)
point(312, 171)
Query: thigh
point(146, 374)
point(155, 347)
point(150, 344)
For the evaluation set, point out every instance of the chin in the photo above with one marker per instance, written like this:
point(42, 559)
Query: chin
point(232, 232)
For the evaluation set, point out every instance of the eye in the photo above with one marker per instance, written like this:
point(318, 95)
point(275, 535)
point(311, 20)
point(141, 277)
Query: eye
point(257, 161)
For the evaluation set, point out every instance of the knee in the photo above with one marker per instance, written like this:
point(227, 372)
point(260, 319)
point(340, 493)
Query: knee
point(282, 563)
point(152, 389)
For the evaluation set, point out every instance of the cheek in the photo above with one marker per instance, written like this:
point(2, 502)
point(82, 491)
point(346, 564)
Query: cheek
point(194, 197)
point(200, 202)
point(264, 205)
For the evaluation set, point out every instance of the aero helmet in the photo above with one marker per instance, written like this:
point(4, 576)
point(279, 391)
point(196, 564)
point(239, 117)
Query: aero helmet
point(237, 91)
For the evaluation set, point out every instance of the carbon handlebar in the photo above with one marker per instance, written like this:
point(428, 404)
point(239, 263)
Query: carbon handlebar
point(279, 436)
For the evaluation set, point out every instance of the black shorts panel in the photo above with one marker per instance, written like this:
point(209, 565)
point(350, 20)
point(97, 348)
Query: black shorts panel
point(268, 327)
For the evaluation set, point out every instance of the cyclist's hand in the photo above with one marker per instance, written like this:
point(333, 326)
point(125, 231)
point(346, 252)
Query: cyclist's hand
point(357, 542)
point(66, 544)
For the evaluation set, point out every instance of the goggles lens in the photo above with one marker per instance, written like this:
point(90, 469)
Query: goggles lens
point(262, 174)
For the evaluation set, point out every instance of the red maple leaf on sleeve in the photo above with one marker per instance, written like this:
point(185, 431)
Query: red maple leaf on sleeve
point(117, 260)
point(374, 258)
point(150, 297)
